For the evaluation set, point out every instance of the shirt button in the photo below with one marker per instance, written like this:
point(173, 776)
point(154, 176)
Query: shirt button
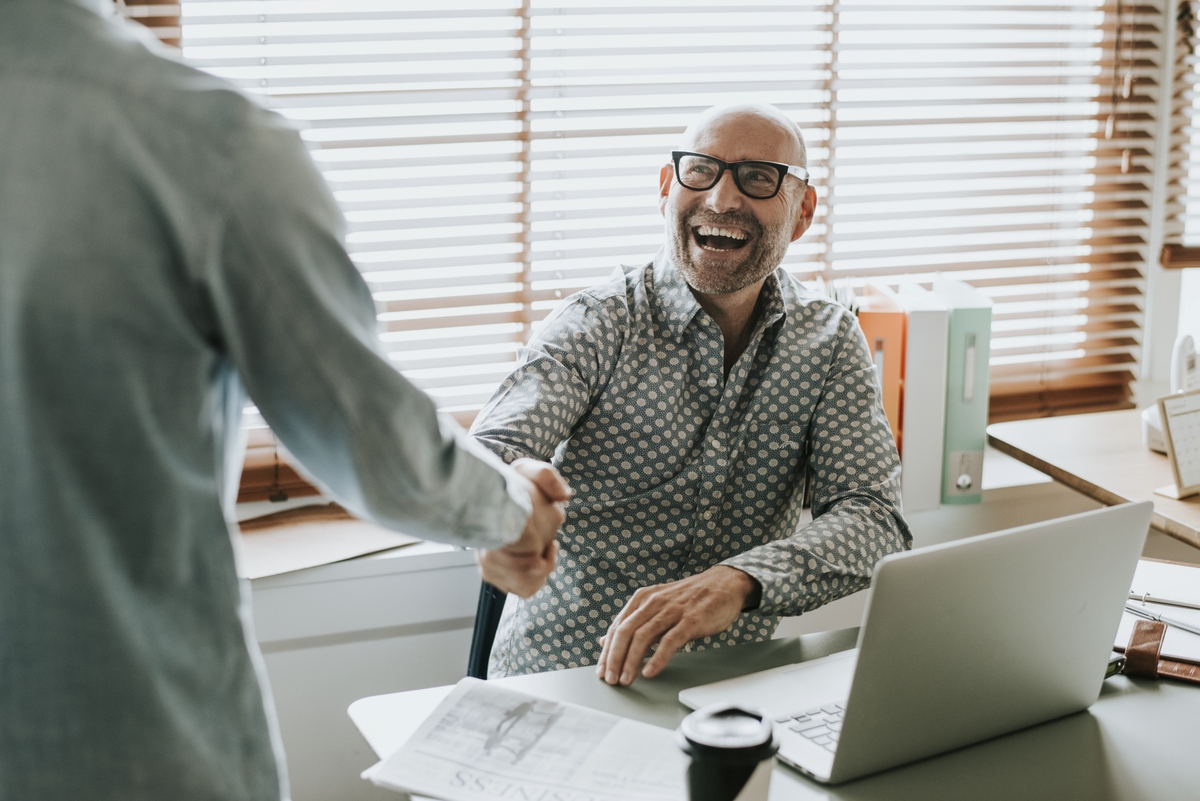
point(708, 513)
point(712, 381)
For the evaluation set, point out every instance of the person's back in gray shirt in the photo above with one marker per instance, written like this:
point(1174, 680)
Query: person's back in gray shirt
point(163, 243)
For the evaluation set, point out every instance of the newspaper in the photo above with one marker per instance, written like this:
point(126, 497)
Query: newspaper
point(488, 742)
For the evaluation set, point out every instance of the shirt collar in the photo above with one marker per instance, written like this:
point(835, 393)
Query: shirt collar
point(678, 305)
point(774, 300)
point(675, 300)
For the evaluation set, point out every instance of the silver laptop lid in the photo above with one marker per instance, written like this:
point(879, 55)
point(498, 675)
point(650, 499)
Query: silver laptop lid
point(971, 639)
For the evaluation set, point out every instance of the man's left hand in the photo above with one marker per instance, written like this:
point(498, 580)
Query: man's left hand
point(671, 615)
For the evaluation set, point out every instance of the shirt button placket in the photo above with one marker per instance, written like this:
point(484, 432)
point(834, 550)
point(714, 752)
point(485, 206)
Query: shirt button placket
point(707, 517)
point(718, 462)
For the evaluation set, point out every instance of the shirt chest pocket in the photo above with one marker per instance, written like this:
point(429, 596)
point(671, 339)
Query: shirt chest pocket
point(773, 446)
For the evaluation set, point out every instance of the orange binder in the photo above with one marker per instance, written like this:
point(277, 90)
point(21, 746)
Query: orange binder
point(882, 319)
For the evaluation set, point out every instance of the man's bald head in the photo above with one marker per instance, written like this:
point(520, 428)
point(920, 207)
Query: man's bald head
point(735, 113)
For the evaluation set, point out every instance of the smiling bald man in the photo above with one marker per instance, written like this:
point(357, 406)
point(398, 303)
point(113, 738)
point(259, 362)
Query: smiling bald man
point(686, 401)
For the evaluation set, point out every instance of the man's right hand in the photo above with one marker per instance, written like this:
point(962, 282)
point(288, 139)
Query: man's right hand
point(521, 567)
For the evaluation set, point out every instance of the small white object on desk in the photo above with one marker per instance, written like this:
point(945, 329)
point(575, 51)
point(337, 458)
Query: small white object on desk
point(1185, 376)
point(1185, 372)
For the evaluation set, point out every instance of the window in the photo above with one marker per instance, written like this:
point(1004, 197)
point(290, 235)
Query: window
point(493, 156)
point(1013, 147)
point(1183, 212)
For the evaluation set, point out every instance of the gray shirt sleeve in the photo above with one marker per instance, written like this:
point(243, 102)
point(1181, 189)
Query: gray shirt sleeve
point(298, 322)
point(857, 518)
point(560, 376)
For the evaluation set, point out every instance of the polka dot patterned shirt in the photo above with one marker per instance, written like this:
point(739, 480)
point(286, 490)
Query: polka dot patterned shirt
point(676, 469)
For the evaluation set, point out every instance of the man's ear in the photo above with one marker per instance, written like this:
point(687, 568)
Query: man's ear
point(665, 176)
point(804, 214)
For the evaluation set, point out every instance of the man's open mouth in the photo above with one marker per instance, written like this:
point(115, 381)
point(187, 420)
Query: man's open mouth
point(711, 237)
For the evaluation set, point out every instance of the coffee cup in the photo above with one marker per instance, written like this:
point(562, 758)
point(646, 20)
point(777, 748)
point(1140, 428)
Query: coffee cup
point(731, 748)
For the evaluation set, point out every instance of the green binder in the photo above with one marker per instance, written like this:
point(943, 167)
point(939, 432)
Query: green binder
point(970, 334)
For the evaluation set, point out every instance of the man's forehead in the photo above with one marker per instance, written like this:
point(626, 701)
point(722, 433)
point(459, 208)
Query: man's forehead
point(746, 132)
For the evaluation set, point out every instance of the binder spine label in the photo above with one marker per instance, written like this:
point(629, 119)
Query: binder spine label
point(963, 477)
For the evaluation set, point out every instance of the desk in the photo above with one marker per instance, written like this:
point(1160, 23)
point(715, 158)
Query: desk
point(1104, 754)
point(1102, 456)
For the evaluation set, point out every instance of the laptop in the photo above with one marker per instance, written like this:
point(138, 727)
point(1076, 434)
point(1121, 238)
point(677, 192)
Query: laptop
point(960, 642)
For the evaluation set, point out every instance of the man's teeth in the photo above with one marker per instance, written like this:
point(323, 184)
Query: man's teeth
point(708, 230)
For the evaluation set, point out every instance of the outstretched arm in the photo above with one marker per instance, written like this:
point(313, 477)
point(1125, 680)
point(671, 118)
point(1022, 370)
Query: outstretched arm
point(298, 324)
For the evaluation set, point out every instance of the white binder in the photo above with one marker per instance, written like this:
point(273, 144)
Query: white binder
point(924, 405)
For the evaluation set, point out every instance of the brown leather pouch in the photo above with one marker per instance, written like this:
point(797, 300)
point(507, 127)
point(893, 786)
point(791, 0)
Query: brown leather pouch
point(1143, 655)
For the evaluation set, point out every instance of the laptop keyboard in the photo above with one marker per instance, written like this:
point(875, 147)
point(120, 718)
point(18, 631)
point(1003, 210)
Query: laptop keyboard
point(820, 725)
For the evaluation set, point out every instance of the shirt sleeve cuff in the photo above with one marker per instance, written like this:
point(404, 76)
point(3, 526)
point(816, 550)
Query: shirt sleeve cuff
point(769, 602)
point(502, 518)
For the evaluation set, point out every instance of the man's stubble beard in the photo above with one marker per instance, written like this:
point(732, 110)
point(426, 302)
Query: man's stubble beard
point(759, 259)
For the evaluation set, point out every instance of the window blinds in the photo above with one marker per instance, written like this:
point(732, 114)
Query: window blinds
point(1182, 248)
point(1012, 146)
point(494, 156)
point(160, 16)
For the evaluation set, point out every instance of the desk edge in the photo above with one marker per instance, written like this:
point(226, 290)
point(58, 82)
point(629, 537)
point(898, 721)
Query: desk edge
point(1169, 527)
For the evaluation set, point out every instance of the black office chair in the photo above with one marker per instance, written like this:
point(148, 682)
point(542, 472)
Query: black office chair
point(487, 619)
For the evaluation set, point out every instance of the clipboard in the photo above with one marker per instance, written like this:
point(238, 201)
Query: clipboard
point(1180, 415)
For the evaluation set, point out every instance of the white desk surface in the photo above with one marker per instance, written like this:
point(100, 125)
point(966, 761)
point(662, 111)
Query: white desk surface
point(1139, 741)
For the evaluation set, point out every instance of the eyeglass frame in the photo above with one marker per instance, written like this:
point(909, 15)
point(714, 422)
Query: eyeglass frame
point(784, 171)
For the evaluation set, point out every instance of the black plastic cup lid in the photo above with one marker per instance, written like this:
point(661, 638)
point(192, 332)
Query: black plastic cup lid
point(728, 733)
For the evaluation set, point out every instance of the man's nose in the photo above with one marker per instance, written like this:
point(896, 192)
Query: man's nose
point(725, 196)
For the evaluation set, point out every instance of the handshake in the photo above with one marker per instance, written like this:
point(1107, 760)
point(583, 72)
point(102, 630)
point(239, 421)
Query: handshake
point(521, 567)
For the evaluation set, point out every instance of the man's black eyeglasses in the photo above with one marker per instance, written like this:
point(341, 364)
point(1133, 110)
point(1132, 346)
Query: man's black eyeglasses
point(760, 180)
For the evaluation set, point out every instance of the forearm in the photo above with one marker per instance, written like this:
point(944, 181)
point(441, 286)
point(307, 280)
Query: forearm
point(442, 486)
point(380, 447)
point(832, 557)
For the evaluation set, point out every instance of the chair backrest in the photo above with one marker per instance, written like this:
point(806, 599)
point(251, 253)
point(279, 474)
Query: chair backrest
point(487, 619)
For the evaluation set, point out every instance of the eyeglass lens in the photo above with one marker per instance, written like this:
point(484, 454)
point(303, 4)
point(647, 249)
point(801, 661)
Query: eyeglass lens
point(756, 178)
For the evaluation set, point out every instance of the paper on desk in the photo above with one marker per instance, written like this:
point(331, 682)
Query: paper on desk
point(488, 742)
point(1179, 583)
point(309, 537)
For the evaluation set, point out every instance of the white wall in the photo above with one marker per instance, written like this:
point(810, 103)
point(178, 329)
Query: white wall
point(370, 626)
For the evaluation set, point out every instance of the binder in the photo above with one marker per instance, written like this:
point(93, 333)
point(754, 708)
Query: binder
point(968, 352)
point(882, 320)
point(1175, 582)
point(924, 399)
